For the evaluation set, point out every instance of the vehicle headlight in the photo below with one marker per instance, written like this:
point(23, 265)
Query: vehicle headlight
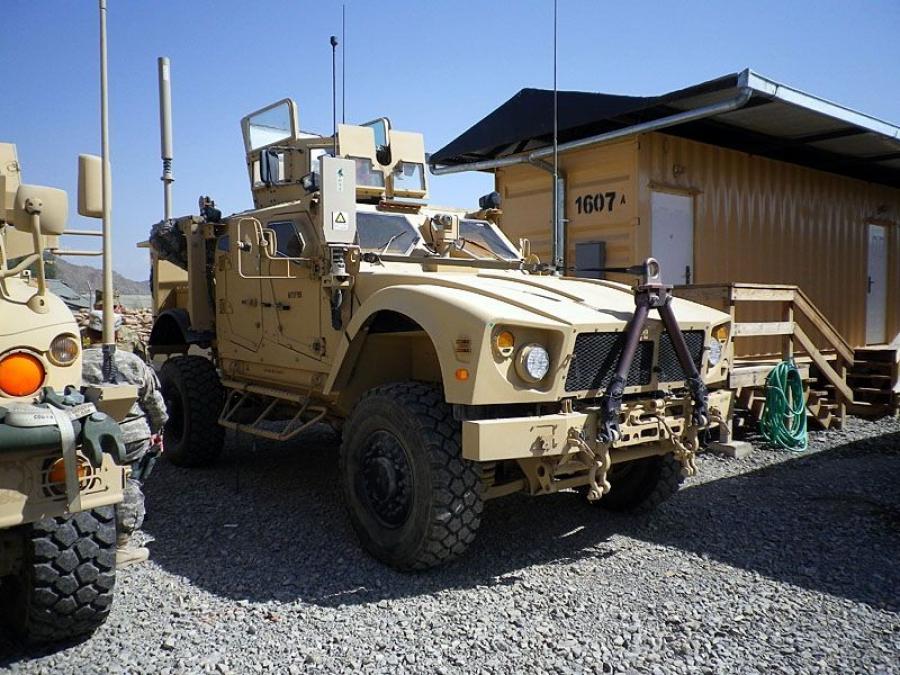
point(718, 339)
point(63, 350)
point(533, 363)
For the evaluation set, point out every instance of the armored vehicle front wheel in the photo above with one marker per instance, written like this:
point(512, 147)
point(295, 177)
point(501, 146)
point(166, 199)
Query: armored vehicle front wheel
point(194, 398)
point(642, 484)
point(414, 502)
point(63, 587)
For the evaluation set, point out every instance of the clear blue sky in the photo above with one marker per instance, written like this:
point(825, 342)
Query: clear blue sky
point(433, 66)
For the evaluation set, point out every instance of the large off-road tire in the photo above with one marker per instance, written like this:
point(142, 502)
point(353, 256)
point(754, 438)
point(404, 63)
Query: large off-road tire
point(414, 502)
point(64, 587)
point(642, 484)
point(194, 397)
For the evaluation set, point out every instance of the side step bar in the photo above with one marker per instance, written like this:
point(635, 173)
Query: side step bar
point(240, 393)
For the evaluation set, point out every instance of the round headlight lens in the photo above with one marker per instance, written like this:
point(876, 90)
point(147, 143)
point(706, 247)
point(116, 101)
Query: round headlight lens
point(715, 352)
point(63, 350)
point(533, 363)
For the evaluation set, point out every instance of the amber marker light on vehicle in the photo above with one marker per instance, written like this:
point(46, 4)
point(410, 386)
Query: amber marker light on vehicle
point(720, 333)
point(462, 374)
point(504, 342)
point(57, 471)
point(21, 374)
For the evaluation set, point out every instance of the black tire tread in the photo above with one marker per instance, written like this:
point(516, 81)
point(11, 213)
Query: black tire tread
point(668, 480)
point(64, 589)
point(457, 504)
point(203, 443)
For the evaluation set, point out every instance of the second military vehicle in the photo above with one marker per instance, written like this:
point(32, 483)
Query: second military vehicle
point(59, 445)
point(459, 368)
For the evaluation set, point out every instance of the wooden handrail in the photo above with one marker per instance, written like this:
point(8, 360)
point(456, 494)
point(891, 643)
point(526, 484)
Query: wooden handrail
point(840, 384)
point(824, 326)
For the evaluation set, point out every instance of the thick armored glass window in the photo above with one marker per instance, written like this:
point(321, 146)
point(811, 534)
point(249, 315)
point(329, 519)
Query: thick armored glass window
point(289, 241)
point(385, 232)
point(270, 126)
point(479, 237)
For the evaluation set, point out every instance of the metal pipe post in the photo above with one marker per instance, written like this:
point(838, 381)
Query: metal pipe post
point(109, 336)
point(165, 132)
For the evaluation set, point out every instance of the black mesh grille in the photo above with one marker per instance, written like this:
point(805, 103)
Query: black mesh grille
point(595, 357)
point(669, 368)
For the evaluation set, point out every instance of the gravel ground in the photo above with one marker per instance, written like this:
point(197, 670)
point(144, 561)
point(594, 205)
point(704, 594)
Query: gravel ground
point(779, 563)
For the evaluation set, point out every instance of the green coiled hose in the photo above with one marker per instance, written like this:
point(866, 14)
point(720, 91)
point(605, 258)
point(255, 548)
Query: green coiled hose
point(783, 422)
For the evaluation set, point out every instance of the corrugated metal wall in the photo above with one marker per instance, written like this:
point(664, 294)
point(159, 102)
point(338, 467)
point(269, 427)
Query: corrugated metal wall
point(601, 201)
point(763, 221)
point(755, 220)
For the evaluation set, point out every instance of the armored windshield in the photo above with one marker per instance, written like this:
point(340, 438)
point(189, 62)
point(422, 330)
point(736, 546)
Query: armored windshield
point(385, 232)
point(482, 240)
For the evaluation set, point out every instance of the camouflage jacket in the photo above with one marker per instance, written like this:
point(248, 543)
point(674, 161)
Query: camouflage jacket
point(148, 414)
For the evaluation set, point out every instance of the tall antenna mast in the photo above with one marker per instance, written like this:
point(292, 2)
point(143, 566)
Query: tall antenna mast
point(344, 64)
point(334, 44)
point(558, 239)
point(109, 334)
point(165, 132)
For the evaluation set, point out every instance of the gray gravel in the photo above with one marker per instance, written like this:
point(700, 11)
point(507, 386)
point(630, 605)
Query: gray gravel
point(779, 563)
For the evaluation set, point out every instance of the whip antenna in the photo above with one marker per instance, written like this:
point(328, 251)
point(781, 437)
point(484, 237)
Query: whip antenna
point(334, 44)
point(558, 239)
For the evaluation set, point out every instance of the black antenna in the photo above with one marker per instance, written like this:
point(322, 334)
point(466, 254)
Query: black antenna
point(334, 44)
point(560, 255)
point(344, 64)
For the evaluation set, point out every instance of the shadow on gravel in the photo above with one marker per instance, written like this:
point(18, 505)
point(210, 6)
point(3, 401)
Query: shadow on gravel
point(267, 523)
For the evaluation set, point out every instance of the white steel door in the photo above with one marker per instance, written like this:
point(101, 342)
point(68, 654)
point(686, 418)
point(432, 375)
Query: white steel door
point(876, 298)
point(672, 236)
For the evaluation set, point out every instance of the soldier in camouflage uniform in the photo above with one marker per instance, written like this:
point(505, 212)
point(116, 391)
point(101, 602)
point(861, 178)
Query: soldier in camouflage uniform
point(141, 429)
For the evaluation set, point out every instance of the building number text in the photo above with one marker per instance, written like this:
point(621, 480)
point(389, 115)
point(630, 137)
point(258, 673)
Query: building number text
point(598, 202)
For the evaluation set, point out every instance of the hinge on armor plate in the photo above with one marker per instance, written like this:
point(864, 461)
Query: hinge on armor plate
point(318, 346)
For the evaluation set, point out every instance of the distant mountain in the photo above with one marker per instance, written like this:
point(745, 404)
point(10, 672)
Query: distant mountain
point(84, 279)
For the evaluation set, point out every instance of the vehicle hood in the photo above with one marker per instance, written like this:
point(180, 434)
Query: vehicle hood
point(559, 301)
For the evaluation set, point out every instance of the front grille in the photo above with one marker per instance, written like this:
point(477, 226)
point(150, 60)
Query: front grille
point(595, 357)
point(670, 369)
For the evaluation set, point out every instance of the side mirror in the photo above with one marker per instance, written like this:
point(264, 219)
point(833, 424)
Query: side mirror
point(269, 167)
point(52, 205)
point(90, 186)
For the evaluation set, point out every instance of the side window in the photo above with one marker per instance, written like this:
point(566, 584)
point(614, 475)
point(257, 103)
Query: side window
point(290, 243)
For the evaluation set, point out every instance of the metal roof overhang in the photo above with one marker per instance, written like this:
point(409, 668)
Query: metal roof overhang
point(775, 121)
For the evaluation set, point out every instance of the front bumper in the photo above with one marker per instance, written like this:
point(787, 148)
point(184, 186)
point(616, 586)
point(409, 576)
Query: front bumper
point(27, 496)
point(641, 421)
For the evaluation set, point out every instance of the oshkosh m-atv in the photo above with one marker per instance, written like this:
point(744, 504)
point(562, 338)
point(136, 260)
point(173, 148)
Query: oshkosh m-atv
point(458, 367)
point(59, 477)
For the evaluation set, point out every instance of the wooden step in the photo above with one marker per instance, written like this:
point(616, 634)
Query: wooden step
point(887, 355)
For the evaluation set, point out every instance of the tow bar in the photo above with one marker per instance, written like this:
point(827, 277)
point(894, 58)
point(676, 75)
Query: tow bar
point(649, 294)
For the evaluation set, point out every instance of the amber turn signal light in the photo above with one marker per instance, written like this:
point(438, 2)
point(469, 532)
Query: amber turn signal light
point(21, 374)
point(57, 471)
point(504, 342)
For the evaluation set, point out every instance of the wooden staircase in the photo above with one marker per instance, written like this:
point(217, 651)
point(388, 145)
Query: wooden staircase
point(875, 380)
point(824, 357)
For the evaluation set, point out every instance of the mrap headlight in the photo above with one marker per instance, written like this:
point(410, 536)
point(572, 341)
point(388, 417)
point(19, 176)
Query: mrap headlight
point(533, 363)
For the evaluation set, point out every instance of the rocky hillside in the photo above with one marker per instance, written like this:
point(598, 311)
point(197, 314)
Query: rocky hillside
point(83, 278)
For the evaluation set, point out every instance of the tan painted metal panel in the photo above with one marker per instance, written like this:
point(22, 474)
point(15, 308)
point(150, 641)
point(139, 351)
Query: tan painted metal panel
point(600, 197)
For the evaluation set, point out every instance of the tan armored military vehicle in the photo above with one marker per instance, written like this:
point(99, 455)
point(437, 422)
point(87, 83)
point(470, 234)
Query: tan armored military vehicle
point(458, 367)
point(58, 475)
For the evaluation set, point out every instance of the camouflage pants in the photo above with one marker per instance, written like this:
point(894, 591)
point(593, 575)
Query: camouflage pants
point(130, 512)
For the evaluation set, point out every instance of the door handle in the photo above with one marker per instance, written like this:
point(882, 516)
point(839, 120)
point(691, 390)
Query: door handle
point(871, 283)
